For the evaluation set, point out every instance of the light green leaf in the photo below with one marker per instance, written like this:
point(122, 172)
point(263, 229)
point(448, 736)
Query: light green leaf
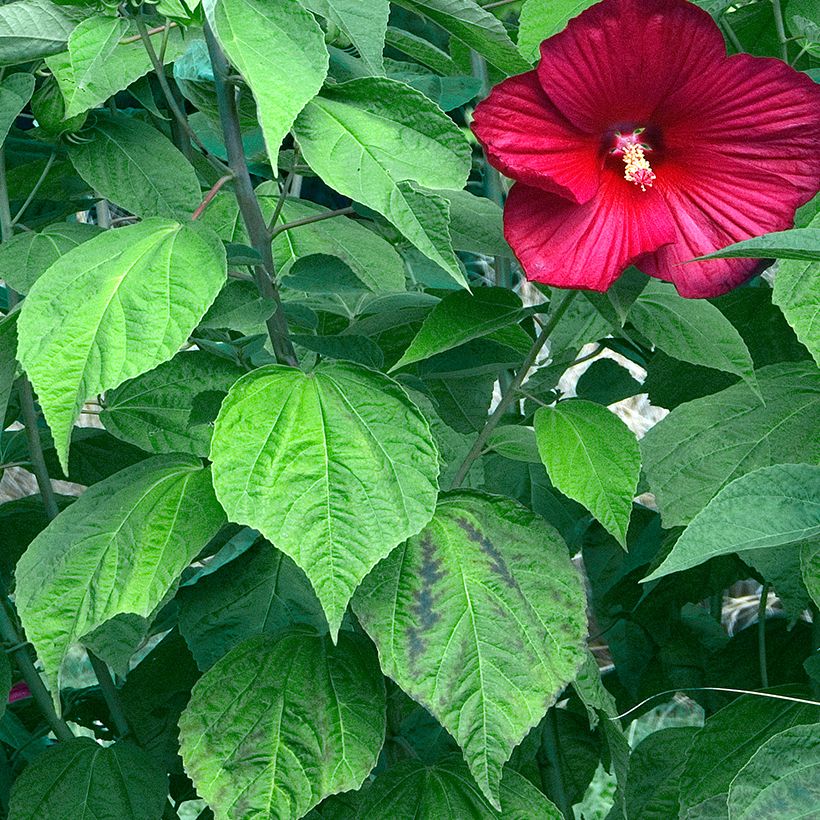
point(137, 168)
point(592, 457)
point(15, 92)
point(797, 243)
point(704, 444)
point(726, 743)
point(810, 569)
point(476, 224)
point(782, 778)
point(370, 138)
point(476, 27)
point(540, 19)
point(114, 308)
point(239, 307)
point(30, 29)
point(445, 791)
point(283, 721)
point(261, 591)
point(27, 256)
point(81, 778)
point(372, 259)
point(797, 294)
point(692, 330)
point(279, 48)
point(295, 454)
point(515, 441)
point(770, 507)
point(422, 51)
point(97, 65)
point(481, 619)
point(118, 549)
point(154, 410)
point(364, 25)
point(460, 317)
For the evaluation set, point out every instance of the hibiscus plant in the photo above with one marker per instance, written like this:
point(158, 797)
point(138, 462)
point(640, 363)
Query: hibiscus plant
point(410, 409)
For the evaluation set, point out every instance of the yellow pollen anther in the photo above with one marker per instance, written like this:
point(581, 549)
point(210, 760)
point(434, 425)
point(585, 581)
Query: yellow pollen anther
point(637, 168)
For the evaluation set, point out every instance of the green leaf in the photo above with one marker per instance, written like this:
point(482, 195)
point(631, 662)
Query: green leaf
point(15, 92)
point(137, 168)
point(97, 65)
point(114, 308)
point(27, 256)
point(279, 48)
point(592, 457)
point(691, 330)
point(797, 294)
point(422, 51)
point(476, 224)
point(704, 444)
point(771, 507)
point(606, 382)
point(476, 27)
point(726, 744)
point(445, 791)
point(261, 591)
point(118, 549)
point(369, 138)
point(8, 363)
point(481, 619)
point(810, 570)
point(364, 25)
point(782, 778)
point(797, 243)
point(154, 410)
point(30, 29)
point(239, 307)
point(283, 721)
point(372, 259)
point(541, 19)
point(295, 454)
point(515, 441)
point(86, 779)
point(5, 682)
point(460, 317)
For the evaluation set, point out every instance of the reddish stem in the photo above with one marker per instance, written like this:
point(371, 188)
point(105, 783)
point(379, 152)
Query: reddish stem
point(210, 195)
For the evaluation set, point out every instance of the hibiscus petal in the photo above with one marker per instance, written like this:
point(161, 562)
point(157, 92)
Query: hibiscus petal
point(586, 246)
point(753, 109)
point(716, 201)
point(528, 139)
point(617, 61)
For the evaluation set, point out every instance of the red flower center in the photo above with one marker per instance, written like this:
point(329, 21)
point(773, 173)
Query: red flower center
point(632, 147)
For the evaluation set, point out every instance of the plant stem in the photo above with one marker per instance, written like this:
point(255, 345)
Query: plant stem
point(252, 216)
point(781, 30)
point(761, 635)
point(210, 195)
point(110, 694)
point(309, 220)
point(511, 391)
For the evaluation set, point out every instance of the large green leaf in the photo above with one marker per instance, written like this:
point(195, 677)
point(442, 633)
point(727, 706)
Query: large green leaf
point(771, 507)
point(30, 29)
point(279, 49)
point(97, 65)
point(476, 224)
point(15, 92)
point(283, 721)
point(481, 619)
point(371, 138)
point(422, 51)
point(167, 409)
point(335, 468)
point(797, 294)
point(373, 260)
point(540, 19)
point(261, 591)
point(704, 444)
point(460, 317)
point(27, 256)
point(445, 791)
point(726, 743)
point(112, 309)
point(782, 778)
point(810, 570)
point(365, 25)
point(691, 330)
point(476, 27)
point(592, 457)
point(136, 167)
point(798, 243)
point(8, 362)
point(80, 778)
point(118, 549)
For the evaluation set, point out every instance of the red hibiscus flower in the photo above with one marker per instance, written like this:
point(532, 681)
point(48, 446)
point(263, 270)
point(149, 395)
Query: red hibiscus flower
point(638, 141)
